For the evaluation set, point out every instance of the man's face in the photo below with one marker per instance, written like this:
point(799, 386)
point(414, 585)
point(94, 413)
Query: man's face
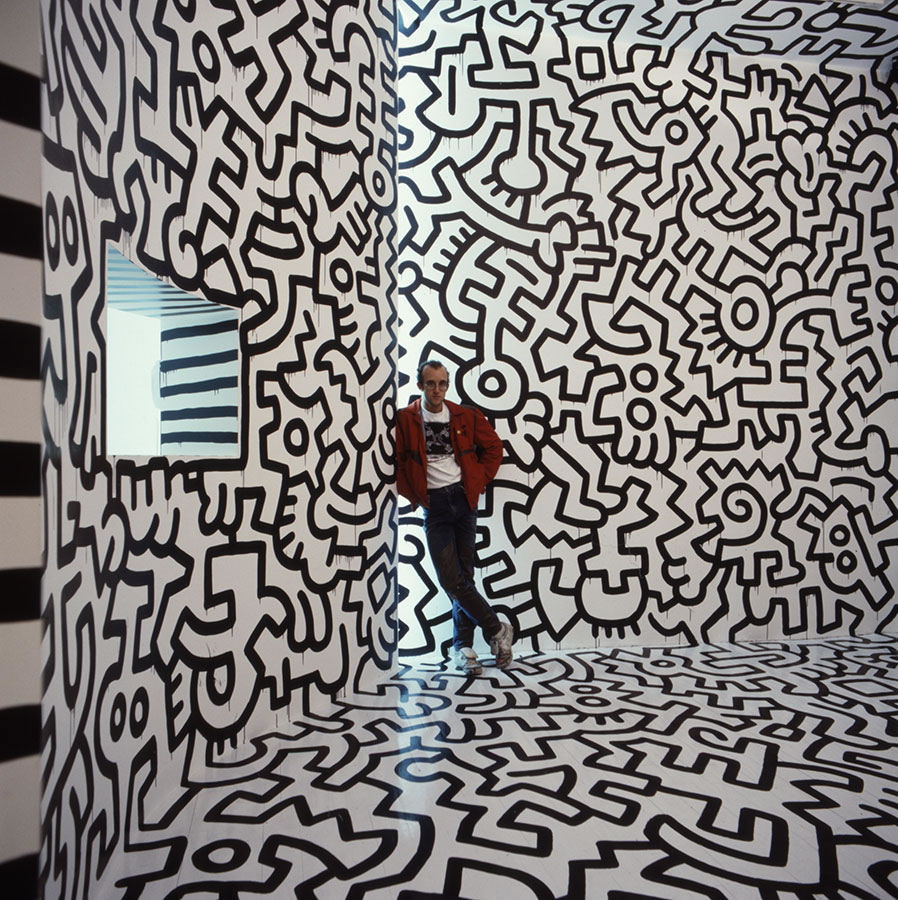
point(433, 385)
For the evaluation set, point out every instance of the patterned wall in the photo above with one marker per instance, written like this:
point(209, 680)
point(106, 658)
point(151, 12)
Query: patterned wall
point(20, 447)
point(244, 153)
point(655, 243)
point(654, 249)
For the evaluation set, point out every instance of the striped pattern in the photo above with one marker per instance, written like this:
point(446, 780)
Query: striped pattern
point(20, 447)
point(197, 392)
point(131, 289)
point(198, 387)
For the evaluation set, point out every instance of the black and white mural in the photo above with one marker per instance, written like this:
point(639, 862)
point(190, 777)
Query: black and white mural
point(652, 242)
point(655, 244)
point(747, 771)
point(243, 153)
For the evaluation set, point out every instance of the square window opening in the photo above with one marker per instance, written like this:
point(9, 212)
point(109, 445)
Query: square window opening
point(173, 364)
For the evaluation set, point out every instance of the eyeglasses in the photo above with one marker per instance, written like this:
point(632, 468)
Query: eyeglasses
point(432, 385)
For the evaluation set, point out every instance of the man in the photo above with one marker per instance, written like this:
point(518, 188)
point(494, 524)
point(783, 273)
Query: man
point(446, 455)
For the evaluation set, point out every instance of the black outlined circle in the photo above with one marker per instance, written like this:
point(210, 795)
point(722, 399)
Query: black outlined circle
point(641, 414)
point(644, 377)
point(747, 320)
point(660, 664)
point(379, 184)
point(595, 701)
point(51, 231)
point(846, 562)
point(676, 132)
point(469, 378)
point(745, 313)
point(118, 716)
point(224, 855)
point(341, 275)
point(296, 437)
point(140, 711)
point(206, 57)
point(492, 383)
point(69, 231)
point(839, 535)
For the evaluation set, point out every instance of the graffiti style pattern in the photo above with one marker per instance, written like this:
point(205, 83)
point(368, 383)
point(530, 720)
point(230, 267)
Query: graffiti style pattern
point(654, 243)
point(243, 153)
point(730, 771)
point(656, 250)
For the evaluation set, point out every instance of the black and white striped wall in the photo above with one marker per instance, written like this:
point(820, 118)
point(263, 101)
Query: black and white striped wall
point(20, 437)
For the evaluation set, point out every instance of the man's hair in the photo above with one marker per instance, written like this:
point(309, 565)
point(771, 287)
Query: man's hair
point(431, 363)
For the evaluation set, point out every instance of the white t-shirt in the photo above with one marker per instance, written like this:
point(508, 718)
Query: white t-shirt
point(442, 467)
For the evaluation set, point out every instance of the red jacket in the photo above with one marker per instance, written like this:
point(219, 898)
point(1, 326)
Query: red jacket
point(477, 447)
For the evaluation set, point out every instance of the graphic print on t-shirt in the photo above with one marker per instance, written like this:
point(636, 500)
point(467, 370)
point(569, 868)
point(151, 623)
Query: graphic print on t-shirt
point(438, 440)
point(442, 466)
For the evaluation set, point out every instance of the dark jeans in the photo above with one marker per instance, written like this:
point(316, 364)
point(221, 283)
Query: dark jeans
point(451, 528)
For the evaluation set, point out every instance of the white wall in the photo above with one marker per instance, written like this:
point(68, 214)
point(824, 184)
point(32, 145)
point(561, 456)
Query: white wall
point(132, 427)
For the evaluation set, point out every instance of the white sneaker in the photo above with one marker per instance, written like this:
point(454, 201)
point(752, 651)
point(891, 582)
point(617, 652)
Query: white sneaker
point(500, 645)
point(466, 660)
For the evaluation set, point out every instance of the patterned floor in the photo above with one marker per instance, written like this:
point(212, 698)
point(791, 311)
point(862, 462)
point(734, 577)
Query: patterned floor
point(758, 771)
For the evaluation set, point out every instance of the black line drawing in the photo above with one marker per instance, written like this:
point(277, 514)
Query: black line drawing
point(658, 253)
